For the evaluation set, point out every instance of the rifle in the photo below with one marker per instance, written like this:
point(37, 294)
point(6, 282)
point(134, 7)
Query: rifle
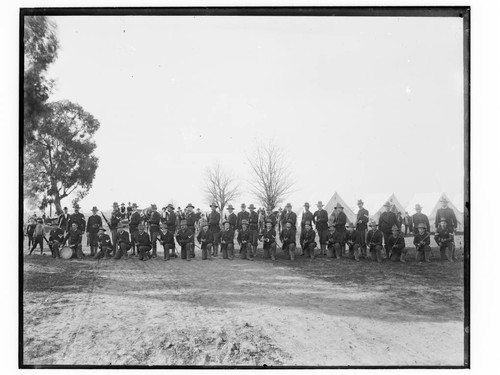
point(106, 220)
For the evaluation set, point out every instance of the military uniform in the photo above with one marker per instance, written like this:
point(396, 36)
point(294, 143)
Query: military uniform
point(79, 219)
point(166, 239)
point(362, 228)
point(306, 216)
point(171, 221)
point(56, 239)
point(449, 215)
point(154, 228)
point(205, 239)
point(244, 239)
point(143, 245)
point(397, 247)
point(419, 218)
point(105, 246)
point(75, 242)
point(353, 241)
point(214, 228)
point(122, 245)
point(63, 221)
point(422, 244)
point(113, 226)
point(307, 241)
point(253, 227)
point(321, 222)
point(185, 238)
point(135, 220)
point(335, 244)
point(272, 218)
point(94, 222)
point(291, 217)
point(444, 239)
point(385, 224)
point(242, 215)
point(269, 243)
point(374, 241)
point(232, 218)
point(227, 243)
point(288, 238)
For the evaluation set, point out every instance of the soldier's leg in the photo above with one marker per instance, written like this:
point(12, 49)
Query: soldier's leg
point(378, 252)
point(362, 243)
point(183, 251)
point(330, 252)
point(453, 249)
point(223, 250)
point(230, 250)
point(286, 251)
point(419, 255)
point(114, 234)
point(108, 252)
point(442, 250)
point(266, 251)
point(427, 253)
point(373, 253)
point(292, 251)
point(402, 257)
point(310, 249)
point(243, 251)
point(386, 245)
point(323, 239)
point(191, 248)
point(209, 251)
point(55, 250)
point(337, 248)
point(216, 244)
point(204, 250)
point(166, 252)
point(273, 251)
point(254, 242)
point(119, 251)
point(356, 252)
point(449, 252)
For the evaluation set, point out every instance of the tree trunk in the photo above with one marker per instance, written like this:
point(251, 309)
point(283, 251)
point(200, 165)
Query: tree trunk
point(57, 203)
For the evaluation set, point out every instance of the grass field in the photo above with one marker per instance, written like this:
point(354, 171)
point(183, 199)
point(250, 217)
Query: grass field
point(321, 312)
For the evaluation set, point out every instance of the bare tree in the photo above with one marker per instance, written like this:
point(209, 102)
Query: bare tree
point(221, 187)
point(271, 176)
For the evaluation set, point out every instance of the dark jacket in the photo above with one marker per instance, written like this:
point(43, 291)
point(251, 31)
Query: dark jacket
point(166, 238)
point(288, 236)
point(205, 238)
point(374, 238)
point(253, 220)
point(57, 234)
point(396, 242)
point(321, 220)
point(362, 216)
point(352, 238)
point(123, 237)
point(240, 217)
point(422, 239)
point(306, 216)
point(74, 236)
point(227, 236)
point(340, 221)
point(243, 236)
point(115, 219)
point(104, 241)
point(335, 237)
point(232, 220)
point(417, 219)
point(94, 222)
point(184, 236)
point(307, 237)
point(142, 239)
point(449, 215)
point(79, 219)
point(268, 237)
point(292, 216)
point(386, 221)
point(214, 222)
point(443, 236)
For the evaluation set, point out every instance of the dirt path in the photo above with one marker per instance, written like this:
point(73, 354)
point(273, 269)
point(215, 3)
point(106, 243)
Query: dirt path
point(234, 313)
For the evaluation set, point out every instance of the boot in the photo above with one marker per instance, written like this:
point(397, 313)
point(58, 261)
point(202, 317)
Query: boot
point(323, 249)
point(154, 253)
point(356, 255)
point(254, 251)
point(402, 258)
point(273, 253)
point(379, 255)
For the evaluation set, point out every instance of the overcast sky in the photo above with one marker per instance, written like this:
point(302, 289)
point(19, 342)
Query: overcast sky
point(360, 105)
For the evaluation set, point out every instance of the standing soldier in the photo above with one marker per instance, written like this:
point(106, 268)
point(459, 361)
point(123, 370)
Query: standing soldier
point(307, 240)
point(227, 241)
point(190, 218)
point(166, 239)
point(77, 218)
point(306, 216)
point(30, 230)
point(253, 224)
point(321, 222)
point(116, 217)
point(214, 226)
point(290, 216)
point(205, 239)
point(419, 218)
point(422, 242)
point(335, 242)
point(270, 215)
point(269, 240)
point(407, 222)
point(242, 215)
point(231, 218)
point(374, 240)
point(171, 222)
point(396, 244)
point(448, 214)
point(143, 242)
point(353, 240)
point(288, 237)
point(444, 239)
point(123, 244)
point(63, 221)
point(244, 239)
point(385, 223)
point(340, 220)
point(123, 211)
point(94, 222)
point(130, 210)
point(362, 219)
point(185, 238)
point(135, 220)
point(154, 228)
point(75, 236)
point(56, 239)
point(105, 245)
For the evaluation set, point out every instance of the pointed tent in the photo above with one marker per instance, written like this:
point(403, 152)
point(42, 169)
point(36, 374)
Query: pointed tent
point(374, 203)
point(336, 198)
point(430, 204)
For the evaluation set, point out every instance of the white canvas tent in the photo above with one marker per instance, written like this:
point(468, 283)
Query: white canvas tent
point(430, 204)
point(374, 203)
point(458, 201)
point(336, 198)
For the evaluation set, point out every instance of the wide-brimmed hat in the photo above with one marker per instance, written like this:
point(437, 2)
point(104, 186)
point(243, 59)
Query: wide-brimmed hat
point(225, 221)
point(95, 208)
point(269, 221)
point(306, 204)
point(115, 204)
point(189, 205)
point(183, 222)
point(203, 223)
point(307, 222)
point(339, 205)
point(350, 225)
point(170, 205)
point(360, 201)
point(387, 204)
point(153, 206)
point(373, 224)
point(443, 200)
point(320, 203)
point(243, 205)
point(134, 205)
point(288, 205)
point(123, 204)
point(76, 206)
point(213, 204)
point(230, 207)
point(421, 225)
point(102, 228)
point(251, 207)
point(244, 222)
point(418, 207)
point(395, 227)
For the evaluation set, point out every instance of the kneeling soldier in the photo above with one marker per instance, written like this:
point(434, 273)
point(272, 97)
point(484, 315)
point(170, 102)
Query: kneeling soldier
point(244, 239)
point(185, 238)
point(123, 243)
point(353, 239)
point(269, 240)
point(206, 239)
point(288, 237)
point(56, 239)
point(374, 240)
point(335, 242)
point(396, 245)
point(422, 242)
point(143, 242)
point(104, 244)
point(227, 241)
point(75, 241)
point(307, 240)
point(166, 239)
point(444, 239)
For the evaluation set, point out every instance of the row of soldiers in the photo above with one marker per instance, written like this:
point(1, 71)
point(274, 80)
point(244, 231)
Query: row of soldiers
point(335, 234)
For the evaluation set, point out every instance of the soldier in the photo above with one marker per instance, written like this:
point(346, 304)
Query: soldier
point(63, 221)
point(374, 240)
point(75, 236)
point(353, 240)
point(244, 239)
point(214, 227)
point(38, 234)
point(321, 222)
point(227, 240)
point(422, 242)
point(339, 219)
point(362, 219)
point(123, 211)
point(94, 222)
point(116, 217)
point(306, 216)
point(289, 215)
point(386, 221)
point(307, 240)
point(30, 230)
point(185, 238)
point(268, 237)
point(77, 218)
point(104, 243)
point(419, 218)
point(270, 215)
point(166, 239)
point(288, 237)
point(231, 218)
point(335, 242)
point(448, 214)
point(242, 215)
point(123, 243)
point(154, 226)
point(190, 218)
point(143, 242)
point(205, 239)
point(130, 210)
point(396, 244)
point(253, 227)
point(407, 222)
point(56, 239)
point(171, 219)
point(444, 239)
point(135, 220)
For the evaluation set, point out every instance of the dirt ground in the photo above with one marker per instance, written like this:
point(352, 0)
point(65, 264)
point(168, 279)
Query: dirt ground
point(323, 312)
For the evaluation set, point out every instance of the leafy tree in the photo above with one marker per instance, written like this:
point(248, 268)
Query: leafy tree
point(40, 50)
point(60, 158)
